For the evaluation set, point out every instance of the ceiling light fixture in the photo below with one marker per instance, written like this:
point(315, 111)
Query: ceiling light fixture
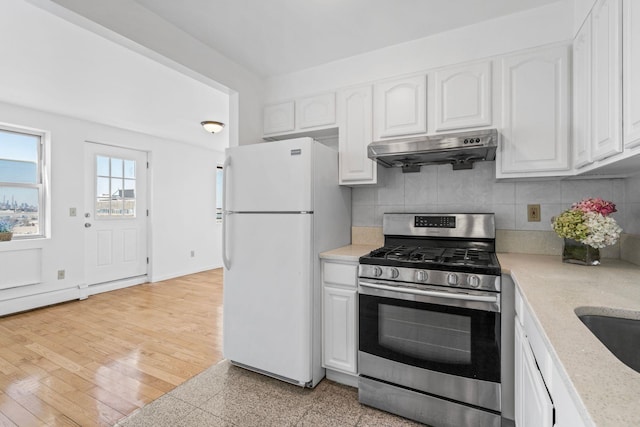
point(211, 126)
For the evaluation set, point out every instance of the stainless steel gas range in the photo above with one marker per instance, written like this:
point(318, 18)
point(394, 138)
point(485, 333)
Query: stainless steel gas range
point(430, 320)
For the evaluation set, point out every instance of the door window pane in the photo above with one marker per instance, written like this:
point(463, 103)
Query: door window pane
point(129, 169)
point(115, 187)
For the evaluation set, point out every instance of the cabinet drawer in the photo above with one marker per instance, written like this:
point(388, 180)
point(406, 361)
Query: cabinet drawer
point(340, 274)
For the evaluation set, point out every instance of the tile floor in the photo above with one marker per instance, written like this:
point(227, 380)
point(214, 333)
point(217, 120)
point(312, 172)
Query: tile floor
point(225, 395)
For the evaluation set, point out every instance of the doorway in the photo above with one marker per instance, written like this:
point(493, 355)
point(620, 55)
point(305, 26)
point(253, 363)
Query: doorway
point(115, 217)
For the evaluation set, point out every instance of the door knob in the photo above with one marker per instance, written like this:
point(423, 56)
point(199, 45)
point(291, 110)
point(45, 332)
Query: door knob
point(87, 224)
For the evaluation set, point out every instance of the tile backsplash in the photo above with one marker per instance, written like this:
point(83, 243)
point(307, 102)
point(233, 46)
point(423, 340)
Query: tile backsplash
point(441, 189)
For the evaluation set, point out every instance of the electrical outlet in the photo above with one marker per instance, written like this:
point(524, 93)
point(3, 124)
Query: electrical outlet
point(193, 253)
point(533, 213)
point(60, 274)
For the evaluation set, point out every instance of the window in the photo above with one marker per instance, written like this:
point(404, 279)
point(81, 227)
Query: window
point(22, 191)
point(219, 185)
point(115, 187)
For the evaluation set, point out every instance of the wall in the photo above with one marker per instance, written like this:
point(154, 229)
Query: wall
point(544, 25)
point(630, 244)
point(182, 196)
point(441, 189)
point(139, 29)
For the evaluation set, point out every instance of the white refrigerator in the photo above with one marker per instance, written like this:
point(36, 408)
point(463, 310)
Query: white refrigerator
point(282, 206)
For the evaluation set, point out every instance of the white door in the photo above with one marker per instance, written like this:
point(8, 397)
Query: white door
point(582, 96)
point(535, 90)
point(606, 102)
point(356, 127)
point(400, 107)
point(339, 325)
point(631, 72)
point(463, 96)
point(115, 216)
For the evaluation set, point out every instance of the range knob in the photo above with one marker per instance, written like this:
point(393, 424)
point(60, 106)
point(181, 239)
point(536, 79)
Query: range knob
point(452, 279)
point(474, 281)
point(393, 273)
point(421, 276)
point(377, 272)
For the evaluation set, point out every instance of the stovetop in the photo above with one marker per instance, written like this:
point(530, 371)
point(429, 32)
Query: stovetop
point(467, 260)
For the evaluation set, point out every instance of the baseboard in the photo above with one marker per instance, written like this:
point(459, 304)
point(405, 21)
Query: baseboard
point(117, 284)
point(159, 278)
point(30, 302)
point(342, 378)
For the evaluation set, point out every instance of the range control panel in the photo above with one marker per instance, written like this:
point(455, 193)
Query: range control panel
point(435, 221)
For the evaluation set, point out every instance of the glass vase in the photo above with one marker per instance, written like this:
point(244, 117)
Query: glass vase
point(575, 252)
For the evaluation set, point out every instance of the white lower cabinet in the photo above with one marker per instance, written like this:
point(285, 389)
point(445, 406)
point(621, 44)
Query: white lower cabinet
point(339, 320)
point(542, 398)
point(533, 403)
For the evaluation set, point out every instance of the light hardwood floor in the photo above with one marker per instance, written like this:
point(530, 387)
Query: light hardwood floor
point(95, 361)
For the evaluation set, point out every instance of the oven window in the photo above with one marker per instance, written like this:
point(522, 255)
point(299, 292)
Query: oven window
point(453, 340)
point(427, 335)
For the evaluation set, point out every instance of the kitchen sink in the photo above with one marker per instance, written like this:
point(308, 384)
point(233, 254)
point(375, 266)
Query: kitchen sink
point(620, 336)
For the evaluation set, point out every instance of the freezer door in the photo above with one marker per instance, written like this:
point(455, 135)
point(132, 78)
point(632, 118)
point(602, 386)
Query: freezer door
point(269, 177)
point(268, 294)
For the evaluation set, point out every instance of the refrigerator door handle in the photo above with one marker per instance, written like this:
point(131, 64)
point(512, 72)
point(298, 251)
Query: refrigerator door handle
point(226, 261)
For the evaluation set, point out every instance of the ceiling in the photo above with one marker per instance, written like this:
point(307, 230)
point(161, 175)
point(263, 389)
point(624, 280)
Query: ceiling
point(281, 36)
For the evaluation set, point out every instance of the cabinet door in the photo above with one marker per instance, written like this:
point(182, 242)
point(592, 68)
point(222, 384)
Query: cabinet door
point(535, 91)
point(339, 326)
point(533, 403)
point(463, 97)
point(356, 123)
point(582, 96)
point(631, 72)
point(518, 342)
point(401, 107)
point(606, 94)
point(319, 110)
point(279, 118)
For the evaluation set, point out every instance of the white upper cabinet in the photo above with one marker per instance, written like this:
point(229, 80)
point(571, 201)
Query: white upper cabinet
point(606, 83)
point(319, 110)
point(631, 72)
point(355, 134)
point(582, 96)
point(535, 102)
point(400, 107)
point(300, 115)
point(279, 118)
point(463, 97)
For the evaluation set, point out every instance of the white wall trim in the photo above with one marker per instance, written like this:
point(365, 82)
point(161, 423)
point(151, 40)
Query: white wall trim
point(30, 302)
point(160, 278)
point(116, 284)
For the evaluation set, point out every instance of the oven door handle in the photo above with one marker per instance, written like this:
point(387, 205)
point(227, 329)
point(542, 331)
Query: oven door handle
point(448, 295)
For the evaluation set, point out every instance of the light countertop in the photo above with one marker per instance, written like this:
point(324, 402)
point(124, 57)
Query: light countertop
point(348, 253)
point(608, 389)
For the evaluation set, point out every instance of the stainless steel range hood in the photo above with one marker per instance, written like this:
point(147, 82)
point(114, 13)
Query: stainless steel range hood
point(460, 149)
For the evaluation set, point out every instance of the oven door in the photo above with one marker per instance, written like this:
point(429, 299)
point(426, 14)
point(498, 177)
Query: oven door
point(433, 339)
